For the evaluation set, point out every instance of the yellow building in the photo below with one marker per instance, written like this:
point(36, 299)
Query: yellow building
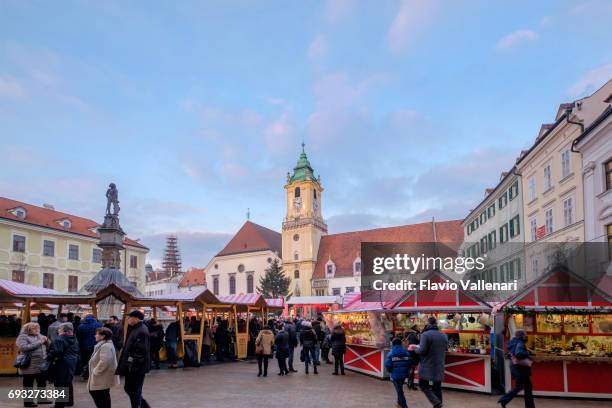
point(303, 226)
point(552, 186)
point(43, 247)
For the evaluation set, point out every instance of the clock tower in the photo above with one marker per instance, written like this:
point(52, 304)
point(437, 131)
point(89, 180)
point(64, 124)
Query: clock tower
point(303, 225)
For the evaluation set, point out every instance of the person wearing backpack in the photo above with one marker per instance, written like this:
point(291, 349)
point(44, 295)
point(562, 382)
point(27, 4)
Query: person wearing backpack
point(520, 369)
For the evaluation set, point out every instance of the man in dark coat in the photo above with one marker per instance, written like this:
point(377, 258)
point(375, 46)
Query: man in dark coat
point(173, 335)
point(135, 360)
point(115, 326)
point(63, 358)
point(432, 350)
point(86, 336)
point(293, 343)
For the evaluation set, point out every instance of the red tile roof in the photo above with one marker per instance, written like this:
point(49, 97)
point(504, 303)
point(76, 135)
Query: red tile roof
point(193, 277)
point(344, 248)
point(251, 238)
point(49, 218)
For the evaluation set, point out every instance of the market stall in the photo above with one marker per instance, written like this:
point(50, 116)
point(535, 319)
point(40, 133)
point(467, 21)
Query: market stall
point(568, 323)
point(368, 328)
point(311, 306)
point(23, 300)
point(466, 321)
point(242, 307)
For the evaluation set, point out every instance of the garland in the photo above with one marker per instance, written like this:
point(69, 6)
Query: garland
point(557, 310)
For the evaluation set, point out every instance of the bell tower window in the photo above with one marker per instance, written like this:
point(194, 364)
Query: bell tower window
point(296, 193)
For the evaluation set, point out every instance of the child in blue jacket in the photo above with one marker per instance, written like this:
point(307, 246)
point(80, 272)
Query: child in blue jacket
point(398, 364)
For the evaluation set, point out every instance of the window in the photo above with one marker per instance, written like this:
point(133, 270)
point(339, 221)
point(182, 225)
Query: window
point(483, 245)
point(549, 220)
point(531, 186)
point(336, 291)
point(547, 178)
point(483, 217)
point(296, 192)
point(249, 283)
point(503, 200)
point(565, 163)
point(73, 283)
point(48, 280)
point(96, 256)
point(492, 240)
point(48, 248)
point(18, 276)
point(510, 271)
point(232, 285)
point(73, 252)
point(296, 237)
point(515, 228)
point(296, 256)
point(66, 224)
point(608, 173)
point(133, 261)
point(216, 285)
point(534, 267)
point(503, 234)
point(502, 272)
point(20, 213)
point(241, 268)
point(329, 269)
point(491, 210)
point(568, 211)
point(513, 191)
point(533, 226)
point(518, 268)
point(19, 243)
point(269, 261)
point(296, 274)
point(349, 289)
point(357, 267)
point(314, 194)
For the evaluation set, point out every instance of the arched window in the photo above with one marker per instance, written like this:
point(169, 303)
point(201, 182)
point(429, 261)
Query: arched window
point(232, 285)
point(296, 192)
point(250, 284)
point(315, 194)
point(216, 285)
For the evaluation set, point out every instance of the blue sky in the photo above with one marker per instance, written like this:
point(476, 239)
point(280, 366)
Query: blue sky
point(409, 109)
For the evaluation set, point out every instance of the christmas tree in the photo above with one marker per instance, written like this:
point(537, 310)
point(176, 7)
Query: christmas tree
point(274, 284)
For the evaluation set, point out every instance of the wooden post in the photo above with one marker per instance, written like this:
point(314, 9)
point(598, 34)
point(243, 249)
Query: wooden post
point(155, 312)
point(201, 342)
point(94, 309)
point(25, 313)
point(179, 313)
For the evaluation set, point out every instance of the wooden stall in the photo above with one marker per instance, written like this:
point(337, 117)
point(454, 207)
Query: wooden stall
point(568, 322)
point(243, 306)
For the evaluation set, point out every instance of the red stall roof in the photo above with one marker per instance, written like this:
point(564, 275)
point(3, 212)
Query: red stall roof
point(249, 299)
point(352, 303)
point(439, 300)
point(276, 303)
point(21, 289)
point(560, 288)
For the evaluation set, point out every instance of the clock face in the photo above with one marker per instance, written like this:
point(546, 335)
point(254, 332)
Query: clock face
point(297, 203)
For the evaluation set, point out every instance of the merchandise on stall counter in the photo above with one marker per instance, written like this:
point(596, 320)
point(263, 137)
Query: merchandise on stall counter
point(467, 332)
point(556, 334)
point(364, 328)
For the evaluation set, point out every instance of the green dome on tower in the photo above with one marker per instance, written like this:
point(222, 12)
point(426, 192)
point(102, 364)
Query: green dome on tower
point(303, 170)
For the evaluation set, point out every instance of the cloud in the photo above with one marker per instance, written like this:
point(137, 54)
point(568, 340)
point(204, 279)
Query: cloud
point(11, 87)
point(412, 16)
point(591, 81)
point(317, 48)
point(517, 38)
point(337, 10)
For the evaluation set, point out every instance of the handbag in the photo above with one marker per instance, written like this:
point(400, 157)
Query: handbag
point(259, 349)
point(23, 360)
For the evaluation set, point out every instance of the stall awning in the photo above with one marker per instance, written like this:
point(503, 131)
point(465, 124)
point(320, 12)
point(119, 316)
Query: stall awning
point(277, 303)
point(23, 290)
point(353, 303)
point(560, 288)
point(314, 300)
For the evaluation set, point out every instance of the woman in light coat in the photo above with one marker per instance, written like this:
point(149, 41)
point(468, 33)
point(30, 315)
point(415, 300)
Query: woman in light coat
point(31, 341)
point(102, 366)
point(263, 349)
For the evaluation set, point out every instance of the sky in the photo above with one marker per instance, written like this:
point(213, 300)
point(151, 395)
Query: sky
point(409, 109)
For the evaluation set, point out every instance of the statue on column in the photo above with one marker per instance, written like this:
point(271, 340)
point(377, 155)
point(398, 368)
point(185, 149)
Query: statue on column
point(112, 197)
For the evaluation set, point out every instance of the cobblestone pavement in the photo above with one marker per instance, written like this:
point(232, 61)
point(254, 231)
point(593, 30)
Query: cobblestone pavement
point(236, 384)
